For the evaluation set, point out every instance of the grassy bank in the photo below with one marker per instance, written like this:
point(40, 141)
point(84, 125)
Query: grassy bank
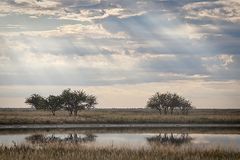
point(203, 130)
point(75, 152)
point(118, 116)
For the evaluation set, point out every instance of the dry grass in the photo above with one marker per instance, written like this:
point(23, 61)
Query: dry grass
point(118, 116)
point(77, 152)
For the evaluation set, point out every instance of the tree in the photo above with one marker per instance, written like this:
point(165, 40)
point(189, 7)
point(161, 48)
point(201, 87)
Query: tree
point(54, 103)
point(36, 101)
point(68, 100)
point(161, 102)
point(185, 106)
point(91, 101)
point(168, 102)
point(154, 103)
point(80, 98)
point(74, 101)
point(174, 101)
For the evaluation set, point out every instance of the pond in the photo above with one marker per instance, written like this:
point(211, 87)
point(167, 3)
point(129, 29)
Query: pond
point(124, 138)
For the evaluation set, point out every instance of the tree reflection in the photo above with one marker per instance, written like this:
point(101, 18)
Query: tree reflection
point(71, 138)
point(170, 138)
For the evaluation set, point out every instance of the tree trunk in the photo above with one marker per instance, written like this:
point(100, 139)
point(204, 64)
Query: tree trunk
point(165, 110)
point(53, 113)
point(70, 113)
point(160, 111)
point(75, 113)
point(182, 111)
point(171, 111)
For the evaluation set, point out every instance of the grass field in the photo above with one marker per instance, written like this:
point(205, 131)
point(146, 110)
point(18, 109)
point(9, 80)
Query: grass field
point(24, 116)
point(75, 152)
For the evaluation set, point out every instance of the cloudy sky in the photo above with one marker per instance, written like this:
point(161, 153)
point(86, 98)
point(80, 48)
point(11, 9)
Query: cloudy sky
point(123, 51)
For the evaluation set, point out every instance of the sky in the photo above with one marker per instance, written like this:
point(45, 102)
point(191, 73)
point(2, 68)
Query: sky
point(122, 51)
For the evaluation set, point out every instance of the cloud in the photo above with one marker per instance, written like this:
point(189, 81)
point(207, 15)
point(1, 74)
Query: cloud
point(46, 4)
point(30, 7)
point(111, 42)
point(80, 10)
point(226, 59)
point(218, 62)
point(121, 49)
point(76, 30)
point(179, 64)
point(84, 10)
point(118, 67)
point(222, 67)
point(220, 10)
point(123, 12)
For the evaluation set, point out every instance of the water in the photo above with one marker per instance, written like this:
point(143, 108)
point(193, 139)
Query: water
point(134, 139)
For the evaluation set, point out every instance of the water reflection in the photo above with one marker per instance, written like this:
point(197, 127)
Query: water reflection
point(70, 138)
point(124, 139)
point(170, 138)
point(116, 139)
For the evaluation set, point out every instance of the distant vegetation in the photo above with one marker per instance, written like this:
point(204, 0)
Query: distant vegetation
point(74, 101)
point(71, 101)
point(168, 102)
point(119, 116)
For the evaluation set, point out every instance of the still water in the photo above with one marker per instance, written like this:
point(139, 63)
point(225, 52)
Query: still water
point(132, 140)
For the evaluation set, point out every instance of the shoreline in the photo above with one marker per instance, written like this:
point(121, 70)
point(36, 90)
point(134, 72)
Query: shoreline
point(105, 125)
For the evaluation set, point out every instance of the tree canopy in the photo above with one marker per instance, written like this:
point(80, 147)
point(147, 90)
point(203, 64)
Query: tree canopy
point(54, 103)
point(36, 101)
point(71, 101)
point(168, 102)
point(75, 101)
